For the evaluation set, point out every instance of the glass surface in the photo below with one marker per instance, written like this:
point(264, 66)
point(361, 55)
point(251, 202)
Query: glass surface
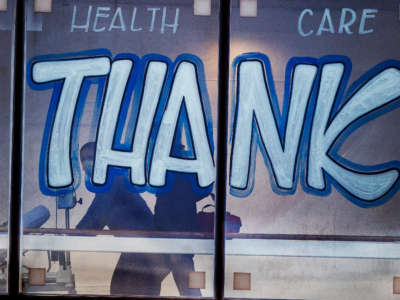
point(111, 72)
point(6, 86)
point(330, 168)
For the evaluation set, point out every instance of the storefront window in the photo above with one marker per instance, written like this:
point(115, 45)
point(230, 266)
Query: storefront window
point(313, 174)
point(121, 107)
point(120, 125)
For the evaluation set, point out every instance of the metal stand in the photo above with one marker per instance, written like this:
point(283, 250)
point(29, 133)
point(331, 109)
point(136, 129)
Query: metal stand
point(63, 280)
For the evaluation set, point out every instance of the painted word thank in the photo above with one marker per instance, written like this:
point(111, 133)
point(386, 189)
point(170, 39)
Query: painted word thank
point(299, 143)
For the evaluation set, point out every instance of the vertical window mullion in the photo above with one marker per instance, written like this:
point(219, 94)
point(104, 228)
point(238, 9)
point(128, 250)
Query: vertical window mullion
point(16, 148)
point(223, 87)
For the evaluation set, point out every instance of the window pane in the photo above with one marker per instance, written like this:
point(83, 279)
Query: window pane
point(316, 85)
point(120, 111)
point(6, 86)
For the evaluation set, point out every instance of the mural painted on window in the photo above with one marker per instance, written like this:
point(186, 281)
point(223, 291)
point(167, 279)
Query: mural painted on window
point(119, 149)
point(313, 151)
point(173, 99)
point(314, 122)
point(121, 110)
point(317, 118)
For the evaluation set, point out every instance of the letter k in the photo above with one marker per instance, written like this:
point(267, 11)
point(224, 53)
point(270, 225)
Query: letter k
point(380, 90)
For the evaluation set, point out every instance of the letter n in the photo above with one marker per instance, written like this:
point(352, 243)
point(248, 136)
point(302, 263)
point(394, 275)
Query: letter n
point(257, 119)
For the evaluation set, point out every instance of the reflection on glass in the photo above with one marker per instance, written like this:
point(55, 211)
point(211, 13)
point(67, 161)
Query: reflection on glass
point(118, 148)
point(313, 169)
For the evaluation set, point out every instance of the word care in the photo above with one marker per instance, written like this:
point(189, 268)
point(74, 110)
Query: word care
point(346, 23)
point(302, 141)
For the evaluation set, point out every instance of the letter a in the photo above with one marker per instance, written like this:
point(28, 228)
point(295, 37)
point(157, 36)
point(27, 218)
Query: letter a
point(184, 90)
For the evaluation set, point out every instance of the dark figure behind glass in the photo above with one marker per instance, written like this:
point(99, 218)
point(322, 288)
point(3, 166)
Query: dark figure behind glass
point(119, 208)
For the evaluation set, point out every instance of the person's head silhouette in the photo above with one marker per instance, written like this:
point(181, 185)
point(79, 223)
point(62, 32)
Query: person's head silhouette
point(87, 154)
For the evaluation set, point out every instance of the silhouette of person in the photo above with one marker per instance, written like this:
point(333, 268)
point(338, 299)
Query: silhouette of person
point(175, 211)
point(118, 208)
